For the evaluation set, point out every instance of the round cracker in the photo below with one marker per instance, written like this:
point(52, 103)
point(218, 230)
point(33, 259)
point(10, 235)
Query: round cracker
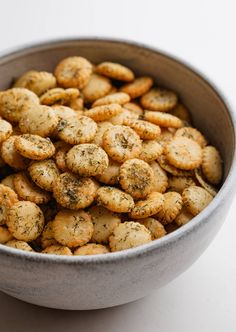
point(193, 134)
point(121, 143)
point(72, 228)
point(36, 81)
point(159, 100)
point(144, 129)
point(5, 130)
point(25, 220)
point(154, 226)
point(28, 191)
point(163, 119)
point(136, 178)
point(76, 129)
point(91, 249)
point(115, 71)
point(15, 101)
point(183, 153)
point(212, 165)
point(171, 208)
point(74, 193)
point(151, 150)
point(11, 156)
point(8, 197)
point(148, 207)
point(41, 121)
point(97, 87)
point(138, 87)
point(87, 160)
point(128, 235)
point(73, 72)
point(160, 182)
point(44, 173)
point(195, 199)
point(57, 249)
point(114, 98)
point(104, 222)
point(34, 147)
point(114, 199)
point(21, 245)
point(103, 112)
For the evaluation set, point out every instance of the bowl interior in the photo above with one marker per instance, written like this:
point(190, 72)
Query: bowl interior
point(208, 110)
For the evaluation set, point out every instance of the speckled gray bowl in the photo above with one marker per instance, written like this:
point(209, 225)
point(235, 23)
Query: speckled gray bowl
point(102, 281)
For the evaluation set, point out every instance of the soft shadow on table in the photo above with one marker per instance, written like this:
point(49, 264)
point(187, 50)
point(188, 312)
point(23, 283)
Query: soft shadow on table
point(18, 316)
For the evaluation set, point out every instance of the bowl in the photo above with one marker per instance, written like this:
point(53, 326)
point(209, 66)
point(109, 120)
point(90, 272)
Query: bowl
point(101, 281)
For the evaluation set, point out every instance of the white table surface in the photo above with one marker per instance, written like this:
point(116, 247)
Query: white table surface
point(203, 33)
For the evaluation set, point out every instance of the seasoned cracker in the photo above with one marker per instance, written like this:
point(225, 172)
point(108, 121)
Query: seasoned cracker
point(154, 226)
point(179, 183)
point(144, 129)
point(25, 220)
point(122, 117)
point(87, 160)
point(63, 112)
point(5, 130)
point(97, 87)
point(11, 156)
point(160, 182)
point(72, 192)
point(59, 96)
point(57, 249)
point(166, 136)
point(60, 155)
point(148, 207)
point(28, 191)
point(8, 197)
point(40, 120)
point(91, 249)
point(115, 71)
point(181, 112)
point(183, 153)
point(138, 87)
point(163, 119)
point(159, 100)
point(121, 143)
point(5, 235)
point(170, 168)
point(195, 199)
point(34, 147)
point(47, 237)
point(134, 108)
point(104, 222)
point(72, 228)
point(9, 181)
point(22, 245)
point(212, 165)
point(77, 129)
point(103, 112)
point(151, 150)
point(44, 173)
point(136, 178)
point(183, 217)
point(199, 176)
point(101, 128)
point(110, 175)
point(128, 235)
point(77, 104)
point(115, 199)
point(115, 98)
point(73, 72)
point(172, 206)
point(193, 134)
point(15, 101)
point(36, 81)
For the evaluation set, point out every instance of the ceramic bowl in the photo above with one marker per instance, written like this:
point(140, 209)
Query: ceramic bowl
point(101, 281)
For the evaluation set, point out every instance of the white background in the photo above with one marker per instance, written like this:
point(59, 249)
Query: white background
point(203, 33)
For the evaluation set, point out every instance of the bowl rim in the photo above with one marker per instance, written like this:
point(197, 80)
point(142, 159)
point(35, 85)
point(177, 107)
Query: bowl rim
point(226, 188)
